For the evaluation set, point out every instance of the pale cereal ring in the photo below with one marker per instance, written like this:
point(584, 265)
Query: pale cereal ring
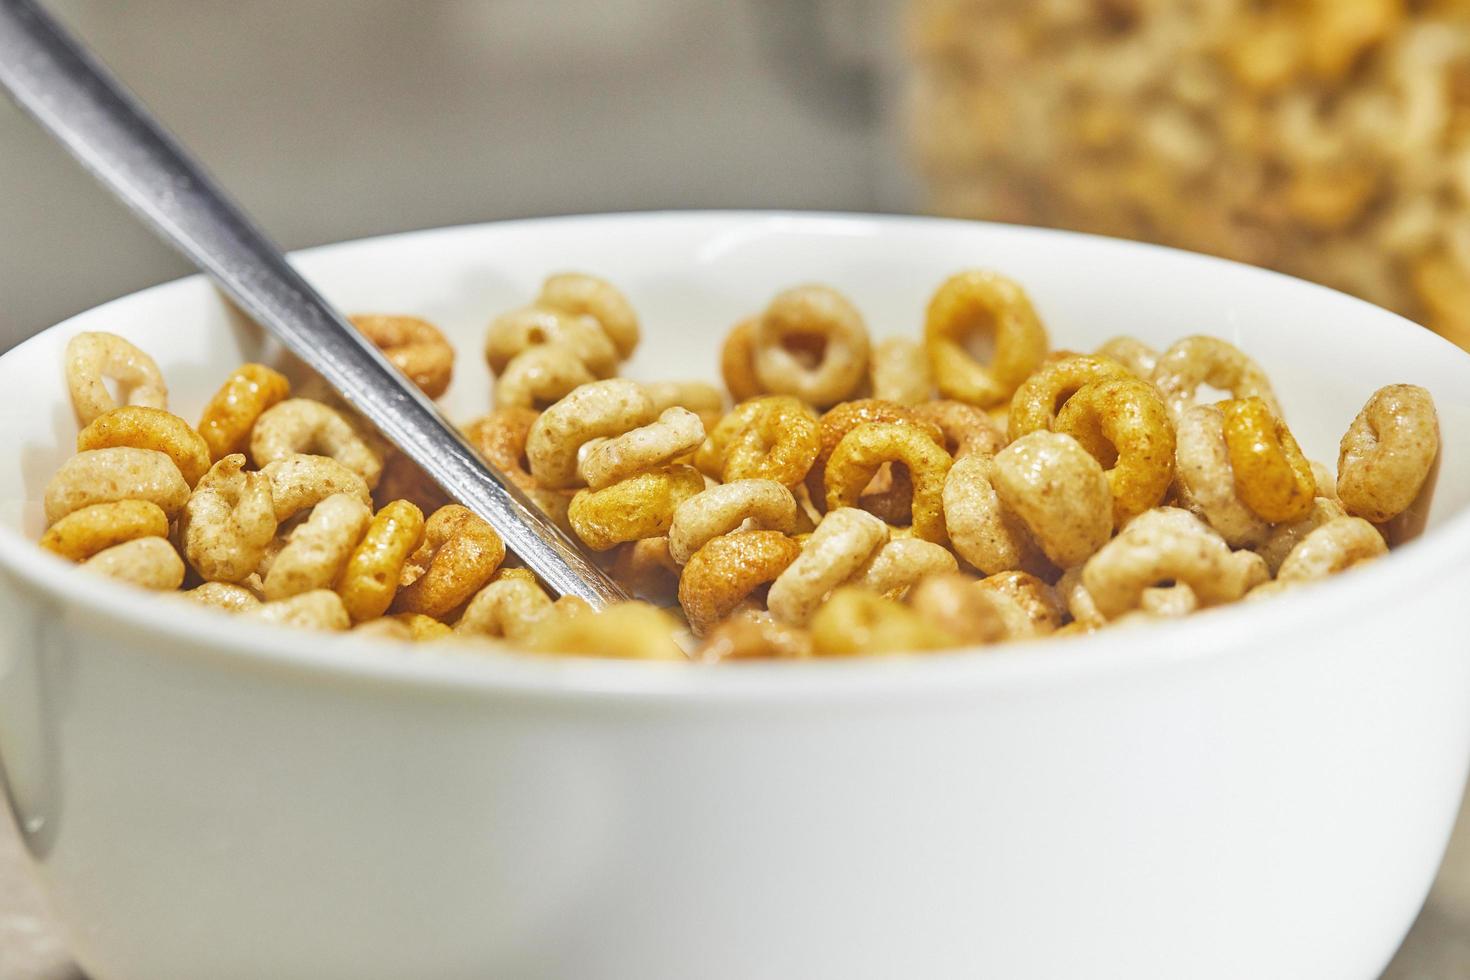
point(371, 574)
point(954, 604)
point(899, 372)
point(514, 333)
point(318, 610)
point(1122, 422)
point(459, 554)
point(812, 343)
point(230, 415)
point(414, 346)
point(1334, 547)
point(987, 303)
point(1059, 492)
point(966, 429)
point(590, 296)
point(301, 426)
point(1205, 481)
point(860, 453)
point(149, 563)
point(511, 606)
point(645, 568)
point(93, 357)
point(223, 596)
point(702, 399)
point(1211, 361)
point(1325, 479)
point(628, 630)
point(1272, 477)
point(1388, 452)
point(840, 545)
point(102, 476)
point(752, 504)
point(228, 522)
point(901, 563)
point(603, 462)
point(1078, 601)
point(753, 634)
point(1041, 396)
point(139, 427)
point(596, 410)
point(541, 376)
point(301, 481)
point(317, 550)
point(727, 570)
point(856, 622)
point(771, 438)
point(1139, 358)
point(1170, 602)
point(1285, 537)
point(1026, 604)
point(385, 628)
point(982, 530)
point(83, 533)
point(641, 506)
point(737, 362)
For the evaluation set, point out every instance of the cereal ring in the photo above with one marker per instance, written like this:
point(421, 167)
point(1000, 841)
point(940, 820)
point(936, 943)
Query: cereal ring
point(811, 343)
point(981, 529)
point(138, 427)
point(301, 481)
point(318, 610)
point(92, 357)
point(501, 438)
point(590, 296)
point(954, 604)
point(966, 429)
point(752, 634)
point(1078, 601)
point(1199, 360)
point(896, 566)
point(1388, 453)
point(1170, 602)
point(604, 462)
point(511, 606)
point(1027, 605)
point(301, 426)
point(415, 347)
point(82, 533)
point(386, 628)
point(641, 506)
point(771, 438)
point(1285, 537)
point(841, 419)
point(1139, 358)
point(840, 545)
point(727, 570)
point(629, 630)
point(1059, 492)
point(230, 415)
point(1205, 480)
point(600, 409)
point(737, 362)
point(228, 522)
point(1272, 477)
point(645, 568)
point(1334, 547)
point(899, 372)
point(541, 376)
point(856, 622)
point(765, 504)
point(514, 333)
point(1325, 479)
point(1168, 545)
point(860, 453)
point(149, 563)
point(981, 302)
point(702, 399)
point(102, 476)
point(1040, 397)
point(459, 554)
point(402, 479)
point(317, 550)
point(224, 596)
point(1122, 422)
point(371, 574)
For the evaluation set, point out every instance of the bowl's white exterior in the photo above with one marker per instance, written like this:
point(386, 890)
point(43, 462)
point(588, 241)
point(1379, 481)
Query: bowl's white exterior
point(1254, 793)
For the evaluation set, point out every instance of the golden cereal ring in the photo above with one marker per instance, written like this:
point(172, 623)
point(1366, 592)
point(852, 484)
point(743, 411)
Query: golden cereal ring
point(974, 302)
point(83, 533)
point(1199, 360)
point(93, 357)
point(702, 399)
point(856, 622)
point(149, 563)
point(1026, 604)
point(674, 433)
point(726, 570)
point(138, 427)
point(628, 630)
point(982, 530)
point(901, 563)
point(223, 596)
point(860, 453)
point(373, 570)
point(102, 476)
point(228, 522)
point(1059, 492)
point(511, 606)
point(1334, 547)
point(840, 545)
point(967, 430)
point(300, 481)
point(514, 333)
point(1272, 477)
point(1285, 537)
point(1168, 545)
point(541, 376)
point(841, 419)
point(1139, 358)
point(641, 506)
point(1388, 453)
point(954, 604)
point(459, 554)
point(737, 362)
point(899, 372)
point(1040, 397)
point(318, 610)
point(596, 410)
point(590, 296)
point(414, 346)
point(230, 415)
point(317, 550)
point(301, 426)
point(646, 570)
point(1122, 422)
point(764, 504)
point(752, 634)
point(771, 438)
point(1205, 480)
point(811, 343)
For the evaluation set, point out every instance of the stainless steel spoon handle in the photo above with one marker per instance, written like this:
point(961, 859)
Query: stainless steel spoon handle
point(54, 78)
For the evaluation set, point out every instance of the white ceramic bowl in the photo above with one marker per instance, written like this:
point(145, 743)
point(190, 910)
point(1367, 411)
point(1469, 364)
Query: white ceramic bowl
point(1257, 792)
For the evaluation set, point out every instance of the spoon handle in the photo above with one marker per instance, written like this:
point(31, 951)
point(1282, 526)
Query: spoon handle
point(59, 83)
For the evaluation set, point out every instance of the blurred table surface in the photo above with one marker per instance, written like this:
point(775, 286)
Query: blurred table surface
point(31, 947)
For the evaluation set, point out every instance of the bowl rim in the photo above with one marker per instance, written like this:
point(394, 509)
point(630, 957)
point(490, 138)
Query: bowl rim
point(1048, 662)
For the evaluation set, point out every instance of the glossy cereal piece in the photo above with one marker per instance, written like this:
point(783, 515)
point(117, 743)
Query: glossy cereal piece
point(698, 397)
point(93, 358)
point(414, 346)
point(149, 563)
point(899, 372)
point(752, 504)
point(371, 574)
point(815, 321)
point(841, 419)
point(139, 427)
point(581, 294)
point(228, 522)
point(318, 610)
point(770, 438)
point(956, 605)
point(580, 337)
point(1201, 360)
point(979, 301)
point(603, 462)
point(1388, 453)
point(856, 622)
point(459, 555)
point(301, 481)
point(641, 506)
point(511, 606)
point(842, 543)
point(597, 410)
point(1205, 480)
point(1041, 396)
point(231, 413)
point(83, 533)
point(223, 596)
point(860, 453)
point(900, 564)
point(628, 630)
point(966, 430)
point(1122, 422)
point(726, 570)
point(1059, 492)
point(754, 635)
point(1272, 477)
point(541, 376)
point(1026, 604)
point(1336, 546)
point(302, 426)
point(102, 476)
point(1139, 358)
point(1285, 537)
point(982, 530)
point(318, 549)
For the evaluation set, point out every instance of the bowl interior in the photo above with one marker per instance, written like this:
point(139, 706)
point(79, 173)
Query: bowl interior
point(691, 276)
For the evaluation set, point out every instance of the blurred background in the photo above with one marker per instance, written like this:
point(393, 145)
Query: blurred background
point(1327, 138)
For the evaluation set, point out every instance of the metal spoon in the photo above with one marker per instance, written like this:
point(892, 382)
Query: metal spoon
point(54, 78)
